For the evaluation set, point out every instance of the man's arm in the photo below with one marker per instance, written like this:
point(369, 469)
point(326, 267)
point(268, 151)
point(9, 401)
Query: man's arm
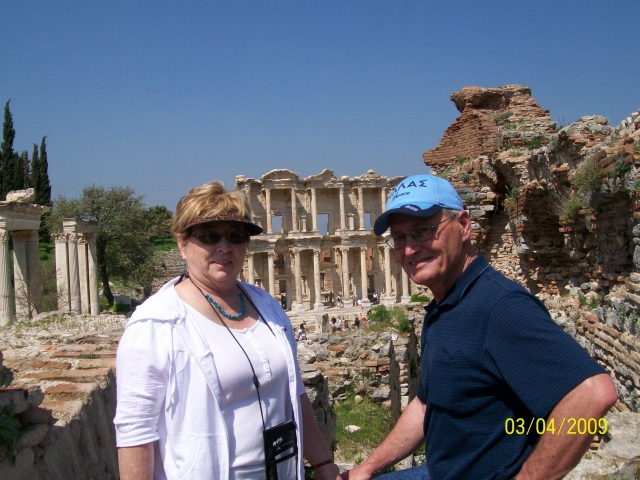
point(403, 440)
point(136, 463)
point(556, 455)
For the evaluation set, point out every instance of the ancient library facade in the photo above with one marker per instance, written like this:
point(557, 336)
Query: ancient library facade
point(318, 240)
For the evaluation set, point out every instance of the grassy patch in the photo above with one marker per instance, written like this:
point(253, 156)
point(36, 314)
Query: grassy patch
point(420, 298)
point(161, 244)
point(374, 421)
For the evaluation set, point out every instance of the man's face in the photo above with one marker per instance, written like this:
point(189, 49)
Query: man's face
point(434, 263)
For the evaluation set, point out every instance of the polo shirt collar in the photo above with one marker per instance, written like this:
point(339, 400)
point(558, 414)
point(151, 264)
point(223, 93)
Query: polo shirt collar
point(459, 288)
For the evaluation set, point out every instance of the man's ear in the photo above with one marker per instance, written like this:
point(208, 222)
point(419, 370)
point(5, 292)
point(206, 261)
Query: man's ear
point(465, 224)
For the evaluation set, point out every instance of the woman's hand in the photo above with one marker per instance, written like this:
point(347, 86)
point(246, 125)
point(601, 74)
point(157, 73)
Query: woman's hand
point(328, 472)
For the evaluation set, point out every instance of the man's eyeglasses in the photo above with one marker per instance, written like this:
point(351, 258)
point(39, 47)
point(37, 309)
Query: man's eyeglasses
point(212, 237)
point(422, 234)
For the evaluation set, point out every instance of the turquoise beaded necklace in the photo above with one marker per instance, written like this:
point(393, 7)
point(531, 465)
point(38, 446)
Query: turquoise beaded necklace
point(243, 307)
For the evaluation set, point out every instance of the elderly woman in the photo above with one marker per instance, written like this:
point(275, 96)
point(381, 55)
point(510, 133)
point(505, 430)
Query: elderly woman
point(207, 375)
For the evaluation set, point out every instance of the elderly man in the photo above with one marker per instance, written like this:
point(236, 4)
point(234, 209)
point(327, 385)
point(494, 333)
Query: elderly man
point(501, 387)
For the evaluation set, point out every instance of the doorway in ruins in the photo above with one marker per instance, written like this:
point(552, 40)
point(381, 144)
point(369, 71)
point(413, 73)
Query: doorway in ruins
point(276, 224)
point(282, 289)
point(323, 223)
point(367, 220)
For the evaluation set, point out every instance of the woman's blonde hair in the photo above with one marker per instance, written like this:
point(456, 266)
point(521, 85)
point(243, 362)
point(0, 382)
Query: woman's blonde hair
point(207, 202)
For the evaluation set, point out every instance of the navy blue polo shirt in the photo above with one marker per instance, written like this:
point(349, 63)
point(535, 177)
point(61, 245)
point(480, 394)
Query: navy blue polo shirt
point(490, 352)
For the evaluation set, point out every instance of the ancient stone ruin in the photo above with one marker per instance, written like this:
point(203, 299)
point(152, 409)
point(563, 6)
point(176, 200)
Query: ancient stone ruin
point(318, 236)
point(20, 218)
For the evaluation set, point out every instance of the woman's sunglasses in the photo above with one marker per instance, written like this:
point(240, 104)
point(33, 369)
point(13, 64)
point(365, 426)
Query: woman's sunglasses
point(212, 237)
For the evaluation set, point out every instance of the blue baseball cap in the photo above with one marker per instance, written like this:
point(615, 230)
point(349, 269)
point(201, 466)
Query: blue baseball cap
point(420, 196)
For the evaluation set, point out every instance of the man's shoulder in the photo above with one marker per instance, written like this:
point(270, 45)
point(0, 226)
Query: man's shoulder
point(495, 281)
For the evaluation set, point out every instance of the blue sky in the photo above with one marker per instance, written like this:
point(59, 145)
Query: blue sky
point(163, 96)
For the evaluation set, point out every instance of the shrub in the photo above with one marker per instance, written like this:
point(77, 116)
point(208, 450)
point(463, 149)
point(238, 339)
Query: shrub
point(588, 176)
point(533, 144)
point(9, 433)
point(379, 314)
point(420, 298)
point(404, 325)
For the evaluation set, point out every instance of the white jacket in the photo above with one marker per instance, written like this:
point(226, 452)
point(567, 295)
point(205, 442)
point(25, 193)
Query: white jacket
point(168, 388)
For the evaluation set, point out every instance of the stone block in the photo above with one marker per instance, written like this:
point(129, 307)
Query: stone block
point(64, 408)
point(89, 375)
point(23, 468)
point(311, 378)
point(33, 435)
point(89, 363)
point(35, 415)
point(70, 388)
point(35, 396)
point(18, 397)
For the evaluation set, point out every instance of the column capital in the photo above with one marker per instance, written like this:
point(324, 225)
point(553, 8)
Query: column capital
point(271, 253)
point(316, 252)
point(59, 237)
point(4, 236)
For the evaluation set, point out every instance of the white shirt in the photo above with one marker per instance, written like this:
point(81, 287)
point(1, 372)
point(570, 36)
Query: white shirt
point(240, 400)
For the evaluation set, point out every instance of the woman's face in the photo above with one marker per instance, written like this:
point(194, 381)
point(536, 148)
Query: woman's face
point(214, 253)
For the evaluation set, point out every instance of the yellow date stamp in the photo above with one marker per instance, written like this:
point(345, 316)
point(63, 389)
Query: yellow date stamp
point(568, 425)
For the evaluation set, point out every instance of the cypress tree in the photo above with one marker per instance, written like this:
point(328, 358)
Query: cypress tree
point(26, 172)
point(18, 172)
point(35, 165)
point(41, 185)
point(6, 152)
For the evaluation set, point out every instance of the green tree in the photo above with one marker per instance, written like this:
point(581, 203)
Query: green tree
point(35, 160)
point(40, 172)
point(20, 166)
point(6, 152)
point(159, 221)
point(123, 245)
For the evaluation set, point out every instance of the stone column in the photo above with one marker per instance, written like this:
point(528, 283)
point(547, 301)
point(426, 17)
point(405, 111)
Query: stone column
point(272, 274)
point(314, 210)
point(74, 275)
point(6, 314)
point(294, 210)
point(20, 275)
point(267, 195)
point(387, 274)
point(363, 275)
point(83, 273)
point(361, 207)
point(33, 271)
point(342, 217)
point(345, 273)
point(62, 271)
point(383, 197)
point(92, 259)
point(298, 278)
point(316, 279)
point(250, 274)
point(406, 293)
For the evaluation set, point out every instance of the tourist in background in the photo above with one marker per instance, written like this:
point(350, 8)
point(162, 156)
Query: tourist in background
point(490, 354)
point(302, 333)
point(207, 366)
